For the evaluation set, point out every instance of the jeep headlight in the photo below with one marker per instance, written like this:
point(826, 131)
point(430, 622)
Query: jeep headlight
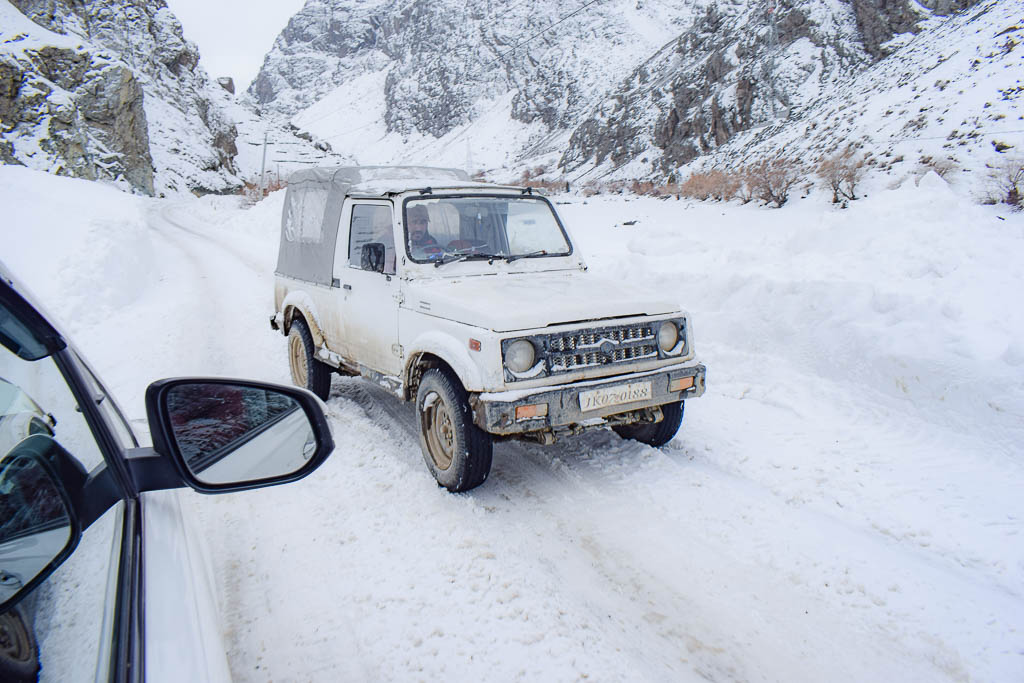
point(520, 355)
point(668, 336)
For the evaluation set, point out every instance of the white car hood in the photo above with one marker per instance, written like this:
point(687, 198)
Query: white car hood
point(509, 302)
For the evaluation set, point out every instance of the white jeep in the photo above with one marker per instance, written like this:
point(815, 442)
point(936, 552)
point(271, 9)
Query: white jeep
point(472, 299)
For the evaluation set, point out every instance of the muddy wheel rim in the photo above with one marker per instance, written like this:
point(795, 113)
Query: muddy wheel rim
point(297, 360)
point(13, 640)
point(439, 430)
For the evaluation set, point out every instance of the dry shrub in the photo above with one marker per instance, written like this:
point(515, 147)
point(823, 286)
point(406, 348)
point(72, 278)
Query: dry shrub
point(531, 177)
point(697, 186)
point(643, 187)
point(670, 189)
point(724, 186)
point(714, 184)
point(771, 180)
point(841, 173)
point(548, 186)
point(251, 190)
point(942, 167)
point(1008, 181)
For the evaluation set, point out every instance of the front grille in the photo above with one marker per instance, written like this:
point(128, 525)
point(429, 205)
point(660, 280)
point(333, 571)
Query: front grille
point(600, 347)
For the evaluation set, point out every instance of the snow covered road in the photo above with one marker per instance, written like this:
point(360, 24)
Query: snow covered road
point(842, 504)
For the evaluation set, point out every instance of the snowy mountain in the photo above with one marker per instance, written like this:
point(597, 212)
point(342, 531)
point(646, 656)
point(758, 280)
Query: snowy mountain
point(627, 87)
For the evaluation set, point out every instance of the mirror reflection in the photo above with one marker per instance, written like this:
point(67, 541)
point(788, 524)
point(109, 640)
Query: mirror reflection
point(231, 434)
point(34, 523)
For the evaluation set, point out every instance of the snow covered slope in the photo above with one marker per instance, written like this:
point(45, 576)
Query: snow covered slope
point(949, 99)
point(843, 504)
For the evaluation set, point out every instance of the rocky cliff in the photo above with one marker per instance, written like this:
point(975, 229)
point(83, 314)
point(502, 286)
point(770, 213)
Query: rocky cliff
point(619, 84)
point(110, 89)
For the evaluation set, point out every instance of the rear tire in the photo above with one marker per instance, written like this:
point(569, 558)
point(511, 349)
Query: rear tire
point(307, 371)
point(457, 452)
point(19, 654)
point(659, 433)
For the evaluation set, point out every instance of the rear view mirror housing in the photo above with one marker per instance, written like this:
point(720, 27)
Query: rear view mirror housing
point(232, 435)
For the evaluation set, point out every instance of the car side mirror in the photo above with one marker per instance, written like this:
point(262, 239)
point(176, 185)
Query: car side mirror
point(38, 526)
point(228, 435)
point(372, 257)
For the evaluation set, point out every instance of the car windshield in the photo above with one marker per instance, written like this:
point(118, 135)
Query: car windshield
point(508, 227)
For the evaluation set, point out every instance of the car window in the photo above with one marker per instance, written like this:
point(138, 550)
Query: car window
point(371, 223)
point(35, 399)
point(67, 616)
point(304, 214)
point(517, 226)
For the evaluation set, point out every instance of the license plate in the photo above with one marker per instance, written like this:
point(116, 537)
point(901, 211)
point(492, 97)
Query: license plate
point(613, 396)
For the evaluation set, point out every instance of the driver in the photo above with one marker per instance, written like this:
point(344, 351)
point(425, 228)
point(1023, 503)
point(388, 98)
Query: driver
point(419, 219)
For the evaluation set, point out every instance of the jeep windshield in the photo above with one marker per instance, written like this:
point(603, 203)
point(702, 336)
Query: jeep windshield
point(445, 229)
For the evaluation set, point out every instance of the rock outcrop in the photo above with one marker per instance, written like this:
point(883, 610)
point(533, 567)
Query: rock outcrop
point(73, 112)
point(129, 99)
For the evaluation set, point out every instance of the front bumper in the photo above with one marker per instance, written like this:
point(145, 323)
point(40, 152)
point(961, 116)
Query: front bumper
point(495, 412)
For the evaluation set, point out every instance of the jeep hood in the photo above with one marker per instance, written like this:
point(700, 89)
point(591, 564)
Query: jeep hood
point(511, 302)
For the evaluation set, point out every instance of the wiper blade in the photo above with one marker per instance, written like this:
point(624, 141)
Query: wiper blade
point(516, 257)
point(470, 256)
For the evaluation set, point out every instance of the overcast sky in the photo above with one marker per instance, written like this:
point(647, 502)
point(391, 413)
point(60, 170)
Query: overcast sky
point(233, 35)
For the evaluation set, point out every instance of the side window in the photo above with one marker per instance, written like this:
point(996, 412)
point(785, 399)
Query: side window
point(305, 215)
point(68, 615)
point(371, 223)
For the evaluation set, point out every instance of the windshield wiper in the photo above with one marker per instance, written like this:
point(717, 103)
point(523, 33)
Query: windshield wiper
point(516, 257)
point(471, 256)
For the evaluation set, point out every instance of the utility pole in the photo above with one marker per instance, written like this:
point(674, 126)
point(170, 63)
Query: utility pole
point(773, 48)
point(263, 166)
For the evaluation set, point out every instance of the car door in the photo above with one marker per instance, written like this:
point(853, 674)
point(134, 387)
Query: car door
point(371, 298)
point(87, 520)
point(76, 626)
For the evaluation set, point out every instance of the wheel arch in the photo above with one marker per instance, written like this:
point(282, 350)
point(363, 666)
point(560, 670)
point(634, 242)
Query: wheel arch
point(300, 305)
point(437, 350)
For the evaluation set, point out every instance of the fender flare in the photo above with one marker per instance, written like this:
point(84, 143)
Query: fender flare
point(448, 350)
point(301, 303)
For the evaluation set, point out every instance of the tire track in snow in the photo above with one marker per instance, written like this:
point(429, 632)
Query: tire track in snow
point(229, 299)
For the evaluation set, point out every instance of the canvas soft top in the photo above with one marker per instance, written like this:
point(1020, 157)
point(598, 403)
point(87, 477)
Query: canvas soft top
point(313, 203)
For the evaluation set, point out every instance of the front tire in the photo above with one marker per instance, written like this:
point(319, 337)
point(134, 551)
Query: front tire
point(307, 371)
point(457, 452)
point(19, 654)
point(659, 433)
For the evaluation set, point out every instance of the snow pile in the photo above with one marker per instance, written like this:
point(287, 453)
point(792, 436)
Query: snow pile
point(842, 504)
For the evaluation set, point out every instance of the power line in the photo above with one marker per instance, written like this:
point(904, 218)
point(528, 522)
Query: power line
point(539, 33)
point(975, 133)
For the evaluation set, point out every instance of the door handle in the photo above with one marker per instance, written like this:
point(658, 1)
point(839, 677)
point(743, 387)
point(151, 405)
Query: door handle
point(348, 287)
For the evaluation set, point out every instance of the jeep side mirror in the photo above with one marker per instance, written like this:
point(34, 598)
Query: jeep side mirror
point(228, 435)
point(38, 528)
point(372, 257)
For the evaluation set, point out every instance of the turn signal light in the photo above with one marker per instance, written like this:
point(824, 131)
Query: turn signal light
point(474, 344)
point(681, 384)
point(531, 411)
